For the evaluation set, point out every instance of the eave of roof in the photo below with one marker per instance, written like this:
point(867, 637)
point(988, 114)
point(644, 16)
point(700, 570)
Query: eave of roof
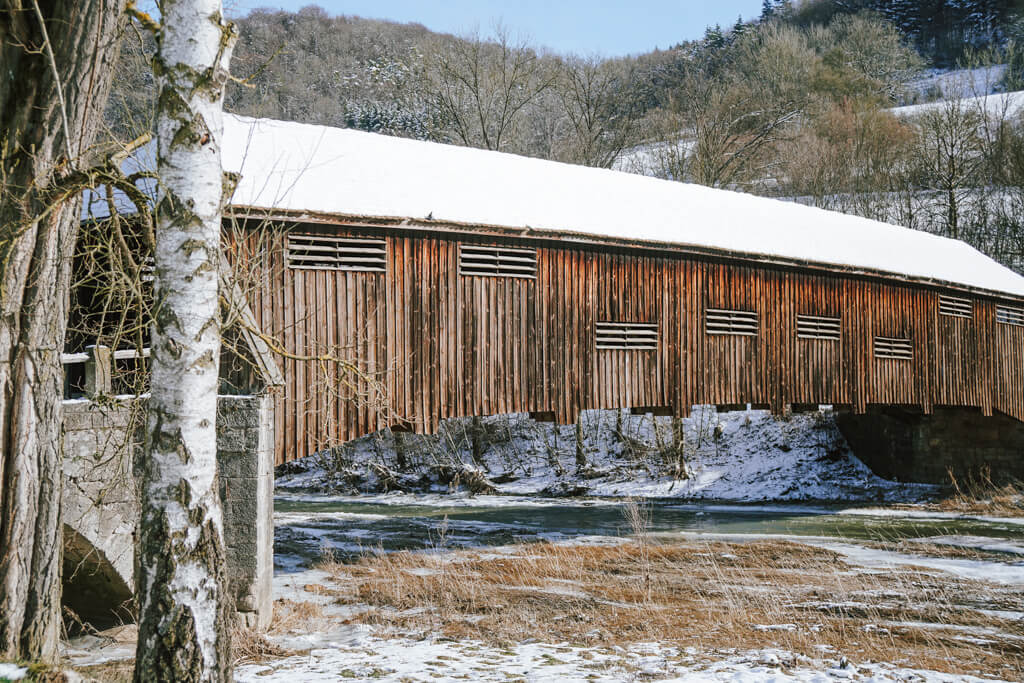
point(575, 237)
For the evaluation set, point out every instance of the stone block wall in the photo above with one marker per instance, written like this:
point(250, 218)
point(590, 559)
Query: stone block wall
point(245, 458)
point(912, 447)
point(101, 505)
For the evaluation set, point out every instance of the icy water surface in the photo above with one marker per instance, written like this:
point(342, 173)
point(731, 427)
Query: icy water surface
point(306, 528)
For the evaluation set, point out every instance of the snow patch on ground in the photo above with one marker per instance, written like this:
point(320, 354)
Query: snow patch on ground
point(992, 545)
point(998, 104)
point(12, 672)
point(928, 514)
point(356, 652)
point(982, 80)
point(975, 570)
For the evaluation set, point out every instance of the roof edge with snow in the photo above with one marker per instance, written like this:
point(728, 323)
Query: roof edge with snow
point(336, 175)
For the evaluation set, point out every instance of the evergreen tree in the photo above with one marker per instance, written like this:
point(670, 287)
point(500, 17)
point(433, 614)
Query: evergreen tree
point(714, 38)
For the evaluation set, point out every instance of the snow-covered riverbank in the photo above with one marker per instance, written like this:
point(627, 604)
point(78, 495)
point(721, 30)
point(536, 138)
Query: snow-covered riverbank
point(738, 456)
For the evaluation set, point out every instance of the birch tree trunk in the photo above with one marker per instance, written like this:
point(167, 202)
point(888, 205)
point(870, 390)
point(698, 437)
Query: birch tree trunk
point(181, 583)
point(57, 62)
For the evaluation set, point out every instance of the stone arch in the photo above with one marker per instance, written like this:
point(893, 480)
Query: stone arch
point(92, 588)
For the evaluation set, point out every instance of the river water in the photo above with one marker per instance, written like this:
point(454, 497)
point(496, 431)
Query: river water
point(307, 528)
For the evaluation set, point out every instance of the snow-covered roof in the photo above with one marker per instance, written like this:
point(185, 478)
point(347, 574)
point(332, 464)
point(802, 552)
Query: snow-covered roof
point(94, 202)
point(293, 167)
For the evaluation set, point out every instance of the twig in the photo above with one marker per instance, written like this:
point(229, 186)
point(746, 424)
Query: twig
point(56, 83)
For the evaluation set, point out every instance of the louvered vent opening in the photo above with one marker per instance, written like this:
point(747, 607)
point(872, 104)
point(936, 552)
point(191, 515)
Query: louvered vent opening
point(615, 335)
point(1009, 315)
point(955, 307)
point(324, 252)
point(497, 261)
point(817, 327)
point(889, 347)
point(722, 321)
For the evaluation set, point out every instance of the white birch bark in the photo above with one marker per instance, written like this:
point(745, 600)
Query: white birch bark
point(181, 580)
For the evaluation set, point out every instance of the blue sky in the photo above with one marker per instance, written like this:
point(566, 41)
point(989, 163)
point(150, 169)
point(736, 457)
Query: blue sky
point(601, 27)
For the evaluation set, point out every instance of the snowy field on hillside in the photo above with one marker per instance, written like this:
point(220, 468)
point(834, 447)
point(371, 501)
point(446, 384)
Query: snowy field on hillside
point(655, 159)
point(940, 83)
point(745, 456)
point(994, 105)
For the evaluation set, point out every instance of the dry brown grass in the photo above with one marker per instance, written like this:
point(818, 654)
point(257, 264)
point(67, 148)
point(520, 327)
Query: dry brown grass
point(108, 672)
point(251, 646)
point(712, 595)
point(248, 645)
point(979, 495)
point(291, 616)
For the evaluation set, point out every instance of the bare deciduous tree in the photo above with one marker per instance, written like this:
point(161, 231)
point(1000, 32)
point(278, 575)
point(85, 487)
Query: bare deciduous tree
point(482, 86)
point(853, 157)
point(869, 52)
point(596, 102)
point(729, 110)
point(57, 66)
point(950, 154)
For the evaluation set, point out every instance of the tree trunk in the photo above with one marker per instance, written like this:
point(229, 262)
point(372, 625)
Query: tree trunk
point(37, 237)
point(181, 579)
point(581, 455)
point(476, 433)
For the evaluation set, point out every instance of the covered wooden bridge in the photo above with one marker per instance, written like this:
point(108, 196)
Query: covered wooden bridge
point(464, 282)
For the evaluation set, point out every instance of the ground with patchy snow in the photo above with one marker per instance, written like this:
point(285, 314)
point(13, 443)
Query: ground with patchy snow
point(336, 643)
point(738, 456)
point(959, 590)
point(355, 653)
point(958, 580)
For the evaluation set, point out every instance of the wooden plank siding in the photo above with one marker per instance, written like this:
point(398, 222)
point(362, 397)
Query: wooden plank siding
point(443, 344)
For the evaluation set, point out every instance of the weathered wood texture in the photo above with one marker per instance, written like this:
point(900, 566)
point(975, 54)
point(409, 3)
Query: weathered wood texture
point(445, 345)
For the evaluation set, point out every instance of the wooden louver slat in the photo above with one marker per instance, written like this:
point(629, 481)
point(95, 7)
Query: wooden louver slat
point(723, 321)
point(325, 252)
point(955, 307)
point(1008, 315)
point(497, 261)
point(629, 336)
point(818, 327)
point(894, 348)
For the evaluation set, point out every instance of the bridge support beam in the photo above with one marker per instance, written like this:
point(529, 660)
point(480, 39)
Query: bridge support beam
point(911, 446)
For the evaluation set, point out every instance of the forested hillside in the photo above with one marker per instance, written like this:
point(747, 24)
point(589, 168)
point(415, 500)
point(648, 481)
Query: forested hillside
point(943, 31)
point(795, 104)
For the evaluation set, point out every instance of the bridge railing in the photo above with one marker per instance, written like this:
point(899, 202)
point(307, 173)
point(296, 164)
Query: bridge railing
point(96, 372)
